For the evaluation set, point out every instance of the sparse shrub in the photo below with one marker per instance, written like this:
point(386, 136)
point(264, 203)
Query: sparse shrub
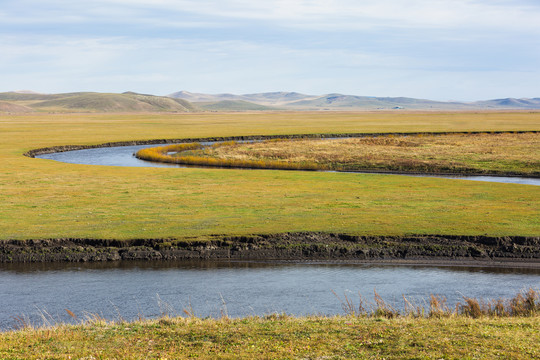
point(438, 307)
point(383, 309)
point(470, 308)
point(525, 303)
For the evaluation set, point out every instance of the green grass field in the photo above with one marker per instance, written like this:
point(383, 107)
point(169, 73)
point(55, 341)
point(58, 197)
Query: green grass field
point(47, 199)
point(283, 338)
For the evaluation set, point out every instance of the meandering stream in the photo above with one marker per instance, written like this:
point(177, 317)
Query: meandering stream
point(40, 293)
point(123, 156)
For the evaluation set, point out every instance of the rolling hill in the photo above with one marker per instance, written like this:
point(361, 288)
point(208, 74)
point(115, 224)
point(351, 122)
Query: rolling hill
point(7, 107)
point(269, 99)
point(351, 102)
point(233, 105)
point(511, 103)
point(298, 101)
point(94, 102)
point(183, 101)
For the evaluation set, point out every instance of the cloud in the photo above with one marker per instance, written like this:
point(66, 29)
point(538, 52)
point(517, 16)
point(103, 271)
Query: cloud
point(315, 46)
point(162, 66)
point(313, 14)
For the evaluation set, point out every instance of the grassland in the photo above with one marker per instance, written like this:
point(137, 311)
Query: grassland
point(48, 199)
point(197, 154)
point(475, 330)
point(282, 337)
point(500, 154)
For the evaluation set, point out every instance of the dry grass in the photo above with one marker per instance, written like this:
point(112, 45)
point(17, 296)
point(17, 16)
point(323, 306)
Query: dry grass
point(184, 154)
point(506, 153)
point(525, 303)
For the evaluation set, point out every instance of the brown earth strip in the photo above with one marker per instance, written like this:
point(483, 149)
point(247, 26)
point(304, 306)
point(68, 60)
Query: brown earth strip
point(457, 250)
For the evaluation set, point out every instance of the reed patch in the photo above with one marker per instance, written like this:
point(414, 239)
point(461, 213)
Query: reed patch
point(484, 153)
point(178, 154)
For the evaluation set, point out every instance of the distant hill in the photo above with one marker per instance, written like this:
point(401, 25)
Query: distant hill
point(298, 101)
point(7, 107)
point(511, 103)
point(198, 97)
point(184, 101)
point(351, 102)
point(232, 105)
point(269, 98)
point(18, 96)
point(97, 102)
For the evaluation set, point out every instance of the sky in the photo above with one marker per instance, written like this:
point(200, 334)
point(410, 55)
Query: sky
point(462, 50)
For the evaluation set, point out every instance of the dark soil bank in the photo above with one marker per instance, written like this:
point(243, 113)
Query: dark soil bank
point(287, 246)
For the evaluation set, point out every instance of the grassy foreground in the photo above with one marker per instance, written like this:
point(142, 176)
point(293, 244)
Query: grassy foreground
point(282, 337)
point(48, 199)
point(474, 330)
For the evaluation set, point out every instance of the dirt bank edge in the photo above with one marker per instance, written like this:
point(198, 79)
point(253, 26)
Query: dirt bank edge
point(285, 246)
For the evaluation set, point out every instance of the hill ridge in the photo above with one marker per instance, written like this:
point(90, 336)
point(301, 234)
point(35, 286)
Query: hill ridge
point(337, 101)
point(185, 101)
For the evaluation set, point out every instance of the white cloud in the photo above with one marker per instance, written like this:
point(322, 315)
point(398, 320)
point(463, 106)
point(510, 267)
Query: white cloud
point(355, 14)
point(385, 47)
point(330, 15)
point(162, 66)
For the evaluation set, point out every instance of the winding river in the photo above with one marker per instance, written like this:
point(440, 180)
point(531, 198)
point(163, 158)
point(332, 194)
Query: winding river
point(40, 293)
point(123, 156)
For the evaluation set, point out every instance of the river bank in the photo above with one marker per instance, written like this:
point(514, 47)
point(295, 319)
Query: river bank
point(414, 249)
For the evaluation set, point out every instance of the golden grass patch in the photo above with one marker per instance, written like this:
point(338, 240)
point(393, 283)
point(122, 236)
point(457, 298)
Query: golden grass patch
point(485, 153)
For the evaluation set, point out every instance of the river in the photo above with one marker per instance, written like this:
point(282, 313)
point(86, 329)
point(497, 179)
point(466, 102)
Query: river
point(40, 293)
point(123, 156)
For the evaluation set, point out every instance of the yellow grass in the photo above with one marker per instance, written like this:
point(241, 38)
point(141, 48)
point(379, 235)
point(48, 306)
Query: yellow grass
point(462, 153)
point(183, 154)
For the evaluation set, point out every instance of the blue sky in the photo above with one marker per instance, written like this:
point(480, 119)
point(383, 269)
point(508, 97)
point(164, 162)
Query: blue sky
point(441, 50)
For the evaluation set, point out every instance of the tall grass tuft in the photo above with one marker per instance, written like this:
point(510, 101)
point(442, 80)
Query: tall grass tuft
point(438, 307)
point(525, 303)
point(383, 309)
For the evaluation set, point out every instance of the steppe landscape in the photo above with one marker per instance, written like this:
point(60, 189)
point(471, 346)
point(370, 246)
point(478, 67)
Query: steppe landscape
point(269, 180)
point(84, 212)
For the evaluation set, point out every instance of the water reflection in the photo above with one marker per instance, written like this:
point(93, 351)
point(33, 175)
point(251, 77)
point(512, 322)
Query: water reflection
point(250, 264)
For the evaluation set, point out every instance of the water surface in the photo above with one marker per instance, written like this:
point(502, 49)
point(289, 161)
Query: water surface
point(123, 156)
point(128, 290)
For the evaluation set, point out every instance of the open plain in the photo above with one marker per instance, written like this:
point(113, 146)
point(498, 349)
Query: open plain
point(44, 199)
point(48, 202)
